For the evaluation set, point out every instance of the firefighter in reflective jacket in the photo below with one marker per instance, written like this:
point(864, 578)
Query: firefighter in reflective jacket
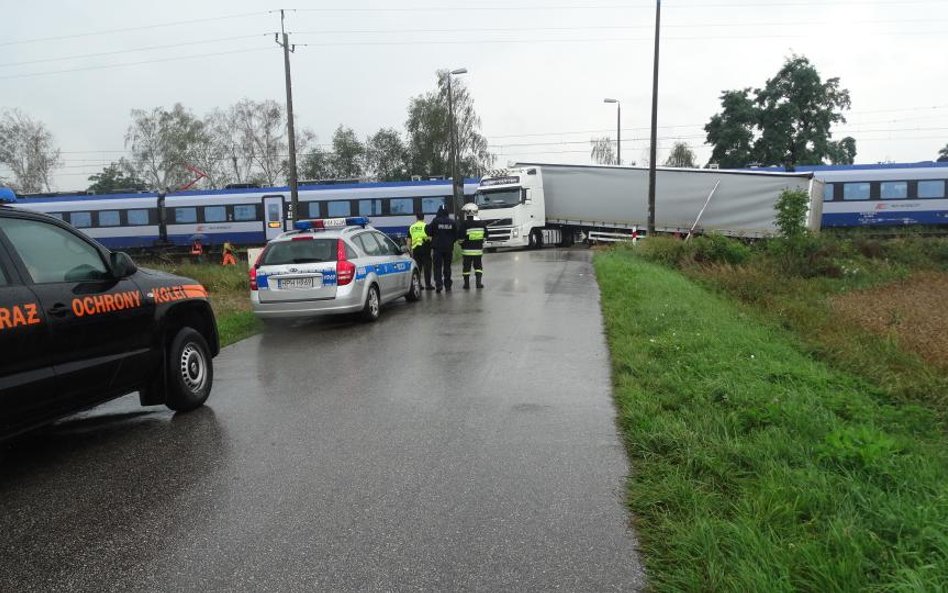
point(472, 233)
point(421, 248)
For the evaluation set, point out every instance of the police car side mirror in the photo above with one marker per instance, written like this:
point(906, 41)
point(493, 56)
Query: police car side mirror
point(122, 265)
point(403, 249)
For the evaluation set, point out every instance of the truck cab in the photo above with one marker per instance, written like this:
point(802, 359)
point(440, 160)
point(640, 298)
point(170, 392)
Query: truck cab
point(513, 205)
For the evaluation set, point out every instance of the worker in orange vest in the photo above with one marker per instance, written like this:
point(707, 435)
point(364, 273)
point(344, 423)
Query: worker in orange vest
point(228, 258)
point(197, 249)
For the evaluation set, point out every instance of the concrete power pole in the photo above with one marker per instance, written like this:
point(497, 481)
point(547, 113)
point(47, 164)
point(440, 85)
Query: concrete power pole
point(290, 128)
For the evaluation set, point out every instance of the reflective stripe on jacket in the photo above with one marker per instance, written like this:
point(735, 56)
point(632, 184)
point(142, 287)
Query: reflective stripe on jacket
point(473, 233)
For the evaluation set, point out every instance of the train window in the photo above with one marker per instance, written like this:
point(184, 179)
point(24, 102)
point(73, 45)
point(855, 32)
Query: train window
point(314, 210)
point(337, 209)
point(215, 214)
point(138, 217)
point(109, 218)
point(401, 206)
point(431, 205)
point(81, 220)
point(370, 207)
point(894, 190)
point(244, 213)
point(185, 215)
point(931, 189)
point(856, 191)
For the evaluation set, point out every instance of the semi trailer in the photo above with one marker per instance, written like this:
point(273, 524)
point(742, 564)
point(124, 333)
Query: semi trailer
point(533, 204)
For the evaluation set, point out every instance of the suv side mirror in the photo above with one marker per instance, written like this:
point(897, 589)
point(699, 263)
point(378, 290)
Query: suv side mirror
point(122, 265)
point(403, 248)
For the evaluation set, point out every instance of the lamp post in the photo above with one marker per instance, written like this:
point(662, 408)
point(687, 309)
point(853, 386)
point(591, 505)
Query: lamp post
point(456, 179)
point(618, 128)
point(653, 150)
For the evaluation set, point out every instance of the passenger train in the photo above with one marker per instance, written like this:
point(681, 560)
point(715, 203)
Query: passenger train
point(855, 196)
point(241, 216)
point(884, 194)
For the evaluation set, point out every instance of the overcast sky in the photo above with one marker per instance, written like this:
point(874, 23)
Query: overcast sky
point(538, 71)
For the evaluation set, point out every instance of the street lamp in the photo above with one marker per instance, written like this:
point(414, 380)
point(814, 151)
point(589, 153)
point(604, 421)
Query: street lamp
point(456, 179)
point(618, 128)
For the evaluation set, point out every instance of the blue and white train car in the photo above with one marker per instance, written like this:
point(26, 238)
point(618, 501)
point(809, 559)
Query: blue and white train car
point(883, 194)
point(240, 216)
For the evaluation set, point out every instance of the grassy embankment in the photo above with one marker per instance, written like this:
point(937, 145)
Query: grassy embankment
point(229, 293)
point(777, 442)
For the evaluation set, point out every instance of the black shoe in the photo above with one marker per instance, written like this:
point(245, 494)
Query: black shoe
point(480, 285)
point(429, 288)
point(438, 289)
point(447, 288)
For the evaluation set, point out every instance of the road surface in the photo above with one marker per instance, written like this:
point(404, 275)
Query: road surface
point(464, 443)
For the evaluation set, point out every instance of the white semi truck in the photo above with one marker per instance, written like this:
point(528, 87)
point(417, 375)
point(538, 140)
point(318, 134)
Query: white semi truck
point(533, 204)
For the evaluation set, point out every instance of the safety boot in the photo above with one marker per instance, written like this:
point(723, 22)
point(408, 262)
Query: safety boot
point(479, 284)
point(467, 283)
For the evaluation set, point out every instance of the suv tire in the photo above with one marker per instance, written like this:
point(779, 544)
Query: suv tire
point(190, 371)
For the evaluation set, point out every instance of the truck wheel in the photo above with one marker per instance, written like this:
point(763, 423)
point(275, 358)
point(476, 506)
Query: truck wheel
point(373, 305)
point(190, 371)
point(536, 239)
point(414, 291)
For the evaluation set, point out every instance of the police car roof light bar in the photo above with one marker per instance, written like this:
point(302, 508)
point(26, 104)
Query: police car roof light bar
point(7, 196)
point(317, 224)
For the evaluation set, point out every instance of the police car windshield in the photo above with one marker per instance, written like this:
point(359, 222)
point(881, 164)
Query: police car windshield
point(503, 198)
point(300, 252)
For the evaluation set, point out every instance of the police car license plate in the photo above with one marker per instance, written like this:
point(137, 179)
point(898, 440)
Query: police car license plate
point(296, 283)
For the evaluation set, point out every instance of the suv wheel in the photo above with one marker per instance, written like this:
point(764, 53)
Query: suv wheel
point(414, 291)
point(373, 305)
point(190, 371)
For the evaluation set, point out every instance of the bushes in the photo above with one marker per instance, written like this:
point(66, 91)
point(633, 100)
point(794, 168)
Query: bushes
point(709, 249)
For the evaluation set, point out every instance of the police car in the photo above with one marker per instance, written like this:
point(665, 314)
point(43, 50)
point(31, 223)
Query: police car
point(328, 266)
point(80, 325)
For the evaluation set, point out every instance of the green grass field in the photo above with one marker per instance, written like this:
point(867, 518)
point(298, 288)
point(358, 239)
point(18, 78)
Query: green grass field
point(755, 465)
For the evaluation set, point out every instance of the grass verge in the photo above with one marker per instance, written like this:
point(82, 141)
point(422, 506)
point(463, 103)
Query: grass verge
point(228, 293)
point(755, 467)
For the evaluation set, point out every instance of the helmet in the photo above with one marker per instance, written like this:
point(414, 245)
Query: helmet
point(469, 210)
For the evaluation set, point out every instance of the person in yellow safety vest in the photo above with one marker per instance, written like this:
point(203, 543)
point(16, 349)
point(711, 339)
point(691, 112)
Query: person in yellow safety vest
point(421, 248)
point(472, 234)
point(228, 258)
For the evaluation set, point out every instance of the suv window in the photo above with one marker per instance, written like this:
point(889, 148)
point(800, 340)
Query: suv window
point(300, 252)
point(52, 254)
point(368, 245)
point(388, 246)
point(3, 277)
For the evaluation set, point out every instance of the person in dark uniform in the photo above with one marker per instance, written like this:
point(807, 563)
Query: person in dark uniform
point(472, 232)
point(421, 248)
point(444, 234)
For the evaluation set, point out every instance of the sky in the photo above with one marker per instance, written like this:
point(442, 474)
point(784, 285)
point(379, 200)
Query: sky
point(538, 71)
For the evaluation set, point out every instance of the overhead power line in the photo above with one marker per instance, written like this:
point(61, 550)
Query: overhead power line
point(136, 28)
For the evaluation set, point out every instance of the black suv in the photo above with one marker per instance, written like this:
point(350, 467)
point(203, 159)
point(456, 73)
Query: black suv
point(80, 325)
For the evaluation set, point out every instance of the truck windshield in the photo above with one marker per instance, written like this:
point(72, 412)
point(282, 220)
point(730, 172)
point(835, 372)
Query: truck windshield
point(502, 198)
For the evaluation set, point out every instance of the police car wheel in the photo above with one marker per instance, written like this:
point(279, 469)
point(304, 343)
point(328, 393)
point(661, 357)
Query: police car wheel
point(373, 305)
point(414, 291)
point(190, 371)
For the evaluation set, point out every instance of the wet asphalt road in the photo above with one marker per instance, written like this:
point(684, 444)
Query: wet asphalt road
point(465, 443)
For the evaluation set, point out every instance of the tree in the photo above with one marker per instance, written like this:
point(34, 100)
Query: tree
point(27, 149)
point(943, 154)
point(787, 122)
point(348, 154)
point(162, 143)
point(386, 158)
point(731, 132)
point(115, 177)
point(317, 164)
point(429, 132)
point(603, 151)
point(681, 156)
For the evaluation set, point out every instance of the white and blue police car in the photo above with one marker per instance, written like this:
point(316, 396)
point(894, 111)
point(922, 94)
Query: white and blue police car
point(330, 266)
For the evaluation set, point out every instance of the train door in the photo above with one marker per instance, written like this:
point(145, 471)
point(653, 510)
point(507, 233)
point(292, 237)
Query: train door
point(273, 223)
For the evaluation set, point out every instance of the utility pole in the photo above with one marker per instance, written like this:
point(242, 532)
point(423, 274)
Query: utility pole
point(457, 180)
point(653, 152)
point(290, 129)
